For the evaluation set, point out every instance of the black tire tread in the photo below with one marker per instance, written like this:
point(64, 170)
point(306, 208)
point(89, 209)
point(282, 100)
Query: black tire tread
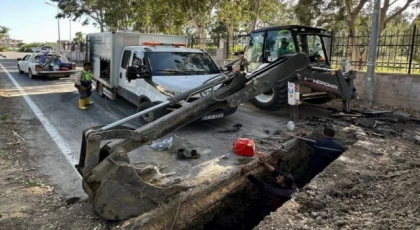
point(279, 100)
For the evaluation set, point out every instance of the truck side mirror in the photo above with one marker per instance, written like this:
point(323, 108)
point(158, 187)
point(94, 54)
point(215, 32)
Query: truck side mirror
point(134, 72)
point(19, 59)
point(229, 68)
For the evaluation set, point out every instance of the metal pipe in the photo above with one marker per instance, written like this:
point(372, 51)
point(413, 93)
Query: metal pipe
point(129, 118)
point(321, 69)
point(370, 84)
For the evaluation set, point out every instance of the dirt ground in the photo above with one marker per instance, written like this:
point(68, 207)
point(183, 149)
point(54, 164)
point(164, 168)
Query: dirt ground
point(27, 200)
point(373, 185)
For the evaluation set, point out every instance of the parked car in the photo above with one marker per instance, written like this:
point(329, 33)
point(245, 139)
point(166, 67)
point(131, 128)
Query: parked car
point(47, 63)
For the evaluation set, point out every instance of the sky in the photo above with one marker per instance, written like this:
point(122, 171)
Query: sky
point(34, 21)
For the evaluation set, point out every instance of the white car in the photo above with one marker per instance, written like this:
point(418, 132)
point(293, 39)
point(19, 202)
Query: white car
point(30, 64)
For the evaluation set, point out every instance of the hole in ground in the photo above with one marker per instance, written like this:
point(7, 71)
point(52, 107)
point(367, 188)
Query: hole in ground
point(245, 209)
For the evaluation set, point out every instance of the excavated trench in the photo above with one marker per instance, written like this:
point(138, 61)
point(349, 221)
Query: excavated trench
point(245, 209)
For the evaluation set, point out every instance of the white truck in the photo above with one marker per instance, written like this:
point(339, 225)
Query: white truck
point(171, 69)
point(31, 64)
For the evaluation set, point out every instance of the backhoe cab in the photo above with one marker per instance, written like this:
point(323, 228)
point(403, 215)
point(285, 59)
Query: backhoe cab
point(268, 44)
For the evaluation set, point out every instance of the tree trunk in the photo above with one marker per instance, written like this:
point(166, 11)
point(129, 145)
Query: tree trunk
point(101, 23)
point(255, 16)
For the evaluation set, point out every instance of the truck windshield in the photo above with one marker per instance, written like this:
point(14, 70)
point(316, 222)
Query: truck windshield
point(181, 63)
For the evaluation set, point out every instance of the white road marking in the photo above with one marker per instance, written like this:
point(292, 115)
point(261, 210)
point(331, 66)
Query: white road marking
point(52, 131)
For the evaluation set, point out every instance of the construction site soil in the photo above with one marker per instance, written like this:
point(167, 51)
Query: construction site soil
point(373, 185)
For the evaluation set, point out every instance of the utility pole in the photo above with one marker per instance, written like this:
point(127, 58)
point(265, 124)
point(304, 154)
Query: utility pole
point(70, 34)
point(370, 84)
point(58, 21)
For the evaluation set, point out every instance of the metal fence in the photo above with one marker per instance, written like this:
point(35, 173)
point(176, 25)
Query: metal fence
point(399, 52)
point(211, 45)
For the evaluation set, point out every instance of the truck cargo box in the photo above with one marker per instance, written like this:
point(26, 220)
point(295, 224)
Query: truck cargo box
point(107, 47)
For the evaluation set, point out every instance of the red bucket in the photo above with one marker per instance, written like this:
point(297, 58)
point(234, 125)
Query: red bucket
point(244, 147)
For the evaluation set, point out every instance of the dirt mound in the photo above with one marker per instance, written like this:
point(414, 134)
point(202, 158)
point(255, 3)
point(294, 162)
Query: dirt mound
point(373, 185)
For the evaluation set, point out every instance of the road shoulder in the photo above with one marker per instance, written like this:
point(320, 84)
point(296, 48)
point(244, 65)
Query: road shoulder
point(31, 195)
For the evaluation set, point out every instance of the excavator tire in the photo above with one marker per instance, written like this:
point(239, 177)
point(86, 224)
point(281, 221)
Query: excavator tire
point(273, 100)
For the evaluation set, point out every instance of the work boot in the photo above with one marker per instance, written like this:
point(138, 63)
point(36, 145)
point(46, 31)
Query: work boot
point(88, 101)
point(82, 104)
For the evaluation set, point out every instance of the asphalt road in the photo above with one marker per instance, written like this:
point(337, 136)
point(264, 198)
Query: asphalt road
point(58, 99)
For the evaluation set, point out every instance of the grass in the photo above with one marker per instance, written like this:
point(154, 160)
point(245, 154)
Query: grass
point(3, 117)
point(28, 182)
point(385, 64)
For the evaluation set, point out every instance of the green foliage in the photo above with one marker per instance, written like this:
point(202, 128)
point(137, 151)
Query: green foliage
point(27, 47)
point(3, 31)
point(4, 48)
point(79, 38)
point(75, 9)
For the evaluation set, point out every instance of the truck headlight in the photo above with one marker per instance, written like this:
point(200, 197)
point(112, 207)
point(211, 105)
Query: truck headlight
point(167, 92)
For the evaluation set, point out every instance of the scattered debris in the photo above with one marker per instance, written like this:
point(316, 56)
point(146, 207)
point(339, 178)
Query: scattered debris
point(72, 200)
point(185, 154)
point(291, 125)
point(366, 122)
point(345, 115)
point(162, 145)
point(20, 137)
point(234, 129)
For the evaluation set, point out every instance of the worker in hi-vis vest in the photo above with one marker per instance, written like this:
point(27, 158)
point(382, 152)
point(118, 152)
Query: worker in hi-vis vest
point(83, 83)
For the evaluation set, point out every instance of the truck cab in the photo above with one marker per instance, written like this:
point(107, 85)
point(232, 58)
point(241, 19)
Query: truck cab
point(169, 68)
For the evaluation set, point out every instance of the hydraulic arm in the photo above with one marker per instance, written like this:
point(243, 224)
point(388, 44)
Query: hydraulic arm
point(120, 190)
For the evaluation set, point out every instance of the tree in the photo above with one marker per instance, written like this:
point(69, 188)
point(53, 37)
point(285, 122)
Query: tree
point(3, 31)
point(200, 12)
point(79, 38)
point(386, 16)
point(75, 9)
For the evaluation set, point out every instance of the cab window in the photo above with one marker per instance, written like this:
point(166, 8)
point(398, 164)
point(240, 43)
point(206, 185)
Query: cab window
point(254, 51)
point(279, 43)
point(137, 59)
point(126, 59)
point(26, 58)
point(316, 52)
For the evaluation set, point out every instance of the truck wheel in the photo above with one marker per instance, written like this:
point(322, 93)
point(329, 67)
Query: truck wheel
point(319, 100)
point(273, 100)
point(151, 116)
point(20, 71)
